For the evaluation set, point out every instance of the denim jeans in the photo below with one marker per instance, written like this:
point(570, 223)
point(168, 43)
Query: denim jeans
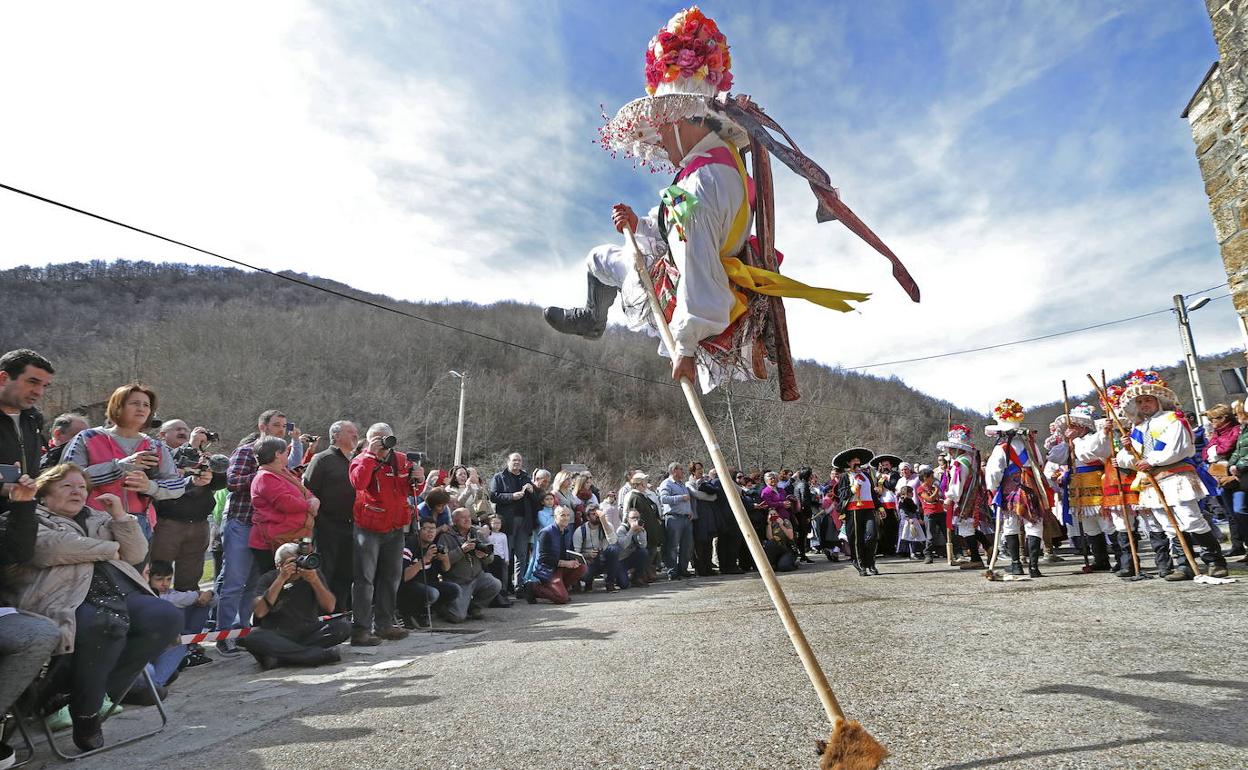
point(416, 597)
point(108, 656)
point(478, 593)
point(679, 546)
point(378, 568)
point(167, 664)
point(638, 561)
point(236, 590)
point(606, 563)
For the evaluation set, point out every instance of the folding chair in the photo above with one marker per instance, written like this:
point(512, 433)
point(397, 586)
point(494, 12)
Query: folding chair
point(18, 718)
point(160, 707)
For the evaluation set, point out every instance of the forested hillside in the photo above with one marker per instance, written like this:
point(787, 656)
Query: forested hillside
point(220, 345)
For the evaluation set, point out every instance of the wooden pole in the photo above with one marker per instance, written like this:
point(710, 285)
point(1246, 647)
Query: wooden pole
point(817, 678)
point(1174, 521)
point(1122, 495)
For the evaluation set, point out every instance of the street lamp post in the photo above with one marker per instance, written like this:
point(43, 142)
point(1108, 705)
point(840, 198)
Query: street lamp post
point(459, 432)
point(1181, 309)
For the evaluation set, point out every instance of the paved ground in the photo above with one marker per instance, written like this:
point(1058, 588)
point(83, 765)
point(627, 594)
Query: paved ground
point(946, 669)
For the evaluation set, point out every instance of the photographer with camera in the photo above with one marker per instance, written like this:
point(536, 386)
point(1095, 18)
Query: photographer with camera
point(121, 460)
point(423, 590)
point(328, 477)
point(469, 551)
point(182, 533)
point(64, 428)
point(291, 631)
point(382, 479)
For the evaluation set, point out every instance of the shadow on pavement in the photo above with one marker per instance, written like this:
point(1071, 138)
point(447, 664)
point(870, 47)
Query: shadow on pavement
point(1219, 720)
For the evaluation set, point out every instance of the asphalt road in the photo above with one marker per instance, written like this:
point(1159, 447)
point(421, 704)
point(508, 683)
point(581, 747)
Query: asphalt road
point(946, 669)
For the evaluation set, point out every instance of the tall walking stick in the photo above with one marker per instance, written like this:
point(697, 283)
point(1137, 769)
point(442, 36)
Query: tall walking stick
point(1070, 475)
point(1148, 474)
point(1122, 496)
point(850, 743)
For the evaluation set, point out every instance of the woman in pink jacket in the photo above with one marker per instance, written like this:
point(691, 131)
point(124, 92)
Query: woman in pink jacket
point(775, 498)
point(283, 509)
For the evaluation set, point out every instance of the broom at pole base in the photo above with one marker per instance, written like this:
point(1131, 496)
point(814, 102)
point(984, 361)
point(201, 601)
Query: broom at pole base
point(850, 747)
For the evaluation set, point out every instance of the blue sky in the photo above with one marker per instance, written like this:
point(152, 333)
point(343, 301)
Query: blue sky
point(1026, 160)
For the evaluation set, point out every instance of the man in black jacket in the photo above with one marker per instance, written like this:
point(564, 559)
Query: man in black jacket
point(24, 376)
point(855, 491)
point(327, 477)
point(511, 491)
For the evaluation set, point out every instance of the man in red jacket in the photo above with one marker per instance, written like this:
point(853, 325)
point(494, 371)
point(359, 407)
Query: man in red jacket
point(382, 481)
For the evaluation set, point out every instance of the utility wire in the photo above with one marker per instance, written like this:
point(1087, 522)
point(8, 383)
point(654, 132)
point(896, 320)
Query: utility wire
point(1029, 339)
point(509, 343)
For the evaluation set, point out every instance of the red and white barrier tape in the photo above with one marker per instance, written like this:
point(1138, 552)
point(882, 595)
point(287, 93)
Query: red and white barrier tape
point(237, 633)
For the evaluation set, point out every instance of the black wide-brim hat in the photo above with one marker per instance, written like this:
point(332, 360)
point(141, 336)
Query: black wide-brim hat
point(863, 454)
point(894, 459)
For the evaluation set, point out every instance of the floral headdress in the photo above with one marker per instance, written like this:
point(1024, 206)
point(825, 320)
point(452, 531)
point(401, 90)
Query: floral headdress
point(1113, 397)
point(1008, 410)
point(687, 66)
point(1143, 382)
point(959, 438)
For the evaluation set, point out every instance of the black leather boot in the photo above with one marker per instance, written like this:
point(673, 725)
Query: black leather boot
point(1011, 547)
point(1100, 553)
point(1212, 551)
point(1034, 547)
point(589, 321)
point(1161, 553)
point(1126, 567)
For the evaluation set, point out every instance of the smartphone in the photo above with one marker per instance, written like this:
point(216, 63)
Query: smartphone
point(290, 426)
point(9, 474)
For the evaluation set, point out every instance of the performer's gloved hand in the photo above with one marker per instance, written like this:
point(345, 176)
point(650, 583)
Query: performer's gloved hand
point(621, 216)
point(684, 368)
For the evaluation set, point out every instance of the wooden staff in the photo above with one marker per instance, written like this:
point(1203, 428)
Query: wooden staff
point(849, 739)
point(1070, 477)
point(1148, 474)
point(1122, 496)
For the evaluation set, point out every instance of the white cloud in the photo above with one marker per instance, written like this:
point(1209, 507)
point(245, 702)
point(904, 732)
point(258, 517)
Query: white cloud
point(444, 151)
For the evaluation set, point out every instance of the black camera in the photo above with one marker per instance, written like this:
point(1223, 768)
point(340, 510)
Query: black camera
point(389, 442)
point(484, 547)
point(440, 549)
point(308, 558)
point(415, 458)
point(212, 436)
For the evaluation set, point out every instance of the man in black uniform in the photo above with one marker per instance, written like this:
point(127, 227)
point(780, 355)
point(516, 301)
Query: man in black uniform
point(855, 491)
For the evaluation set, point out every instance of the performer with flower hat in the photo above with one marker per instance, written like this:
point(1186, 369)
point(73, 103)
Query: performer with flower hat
point(718, 286)
point(1121, 498)
point(962, 509)
point(1013, 475)
point(1077, 464)
point(1167, 445)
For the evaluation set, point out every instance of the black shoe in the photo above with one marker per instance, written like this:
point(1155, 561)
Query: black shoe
point(87, 733)
point(500, 601)
point(873, 570)
point(589, 321)
point(863, 573)
point(196, 659)
point(1015, 569)
point(928, 559)
point(8, 757)
point(362, 638)
point(475, 612)
point(1034, 572)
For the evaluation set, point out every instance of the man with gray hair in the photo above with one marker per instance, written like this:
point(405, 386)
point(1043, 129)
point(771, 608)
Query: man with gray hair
point(382, 479)
point(291, 631)
point(64, 428)
point(327, 477)
point(469, 551)
point(511, 492)
point(676, 499)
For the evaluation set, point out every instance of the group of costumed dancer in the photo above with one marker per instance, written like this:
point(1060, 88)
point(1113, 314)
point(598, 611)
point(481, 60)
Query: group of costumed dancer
point(1113, 481)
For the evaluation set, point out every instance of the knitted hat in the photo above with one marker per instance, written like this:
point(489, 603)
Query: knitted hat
point(687, 65)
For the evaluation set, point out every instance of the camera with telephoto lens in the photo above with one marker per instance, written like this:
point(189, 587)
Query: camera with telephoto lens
point(308, 558)
point(389, 442)
point(483, 547)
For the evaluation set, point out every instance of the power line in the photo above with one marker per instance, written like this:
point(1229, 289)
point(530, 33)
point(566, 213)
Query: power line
point(521, 346)
point(1030, 339)
point(406, 314)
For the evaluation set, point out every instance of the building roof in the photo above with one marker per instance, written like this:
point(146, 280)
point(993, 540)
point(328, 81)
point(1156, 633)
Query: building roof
point(1212, 69)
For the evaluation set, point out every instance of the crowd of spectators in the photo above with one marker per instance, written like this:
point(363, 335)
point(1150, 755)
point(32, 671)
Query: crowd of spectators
point(105, 530)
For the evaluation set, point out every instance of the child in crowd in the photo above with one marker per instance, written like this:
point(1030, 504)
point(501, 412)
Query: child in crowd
point(912, 536)
point(498, 538)
point(195, 606)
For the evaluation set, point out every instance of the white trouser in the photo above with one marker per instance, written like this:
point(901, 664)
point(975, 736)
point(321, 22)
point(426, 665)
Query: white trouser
point(1141, 518)
point(1188, 514)
point(1010, 526)
point(1092, 521)
point(610, 264)
point(966, 527)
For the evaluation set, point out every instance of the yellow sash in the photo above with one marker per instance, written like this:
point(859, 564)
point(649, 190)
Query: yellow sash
point(772, 284)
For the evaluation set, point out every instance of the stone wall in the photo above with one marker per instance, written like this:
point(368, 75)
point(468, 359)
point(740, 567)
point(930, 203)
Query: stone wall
point(1218, 115)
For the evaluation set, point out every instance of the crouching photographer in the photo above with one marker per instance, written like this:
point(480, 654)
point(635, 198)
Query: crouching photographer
point(469, 552)
point(291, 631)
point(423, 592)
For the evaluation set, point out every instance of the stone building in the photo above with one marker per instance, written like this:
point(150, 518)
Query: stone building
point(1218, 115)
